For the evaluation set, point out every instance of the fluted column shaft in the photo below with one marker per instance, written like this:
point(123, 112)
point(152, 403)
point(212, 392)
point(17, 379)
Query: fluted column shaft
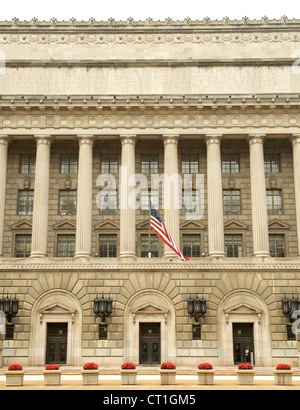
point(84, 198)
point(41, 198)
point(258, 197)
point(171, 190)
point(215, 197)
point(296, 165)
point(127, 203)
point(3, 173)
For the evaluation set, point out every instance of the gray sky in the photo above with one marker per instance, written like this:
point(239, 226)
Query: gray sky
point(141, 9)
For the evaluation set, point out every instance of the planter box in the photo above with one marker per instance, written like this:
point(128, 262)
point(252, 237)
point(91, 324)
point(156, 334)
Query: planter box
point(245, 377)
point(167, 376)
point(128, 376)
point(14, 378)
point(52, 377)
point(90, 377)
point(206, 377)
point(283, 377)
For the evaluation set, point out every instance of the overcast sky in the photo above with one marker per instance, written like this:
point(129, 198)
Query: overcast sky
point(141, 9)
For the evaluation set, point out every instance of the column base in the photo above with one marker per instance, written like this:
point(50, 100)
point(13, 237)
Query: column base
point(83, 255)
point(261, 255)
point(216, 254)
point(38, 255)
point(127, 255)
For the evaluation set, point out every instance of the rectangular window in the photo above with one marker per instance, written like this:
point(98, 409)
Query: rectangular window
point(23, 246)
point(9, 332)
point(191, 246)
point(108, 246)
point(145, 201)
point(25, 202)
point(189, 164)
point(109, 164)
point(277, 246)
point(153, 247)
point(190, 202)
point(149, 164)
point(108, 202)
point(102, 332)
point(67, 202)
point(232, 202)
point(274, 201)
point(291, 336)
point(234, 246)
point(27, 164)
point(230, 164)
point(65, 246)
point(272, 163)
point(196, 332)
point(68, 164)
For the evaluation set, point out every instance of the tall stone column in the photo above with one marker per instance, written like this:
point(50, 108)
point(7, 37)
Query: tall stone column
point(258, 197)
point(84, 198)
point(215, 197)
point(296, 165)
point(41, 198)
point(127, 203)
point(3, 173)
point(171, 191)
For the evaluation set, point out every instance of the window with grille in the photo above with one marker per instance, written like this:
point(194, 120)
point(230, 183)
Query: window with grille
point(277, 245)
point(25, 202)
point(272, 163)
point(274, 201)
point(191, 245)
point(234, 246)
point(109, 164)
point(190, 202)
point(230, 164)
point(23, 246)
point(189, 164)
point(68, 164)
point(149, 164)
point(67, 202)
point(65, 245)
point(108, 246)
point(27, 164)
point(232, 202)
point(147, 247)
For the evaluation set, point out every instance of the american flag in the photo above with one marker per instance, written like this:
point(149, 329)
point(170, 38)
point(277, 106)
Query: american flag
point(159, 228)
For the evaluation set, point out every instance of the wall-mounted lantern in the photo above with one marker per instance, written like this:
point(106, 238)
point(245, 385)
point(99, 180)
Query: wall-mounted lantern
point(9, 306)
point(289, 305)
point(102, 307)
point(197, 307)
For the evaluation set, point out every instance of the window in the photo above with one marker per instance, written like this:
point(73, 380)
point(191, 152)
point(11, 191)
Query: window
point(272, 163)
point(234, 246)
point(108, 202)
point(25, 202)
point(68, 164)
point(274, 201)
point(230, 164)
point(102, 332)
point(108, 246)
point(23, 246)
point(277, 245)
point(189, 164)
point(67, 202)
point(291, 336)
point(149, 164)
point(65, 246)
point(27, 164)
point(232, 202)
point(145, 201)
point(190, 202)
point(196, 332)
point(154, 245)
point(9, 332)
point(191, 245)
point(109, 164)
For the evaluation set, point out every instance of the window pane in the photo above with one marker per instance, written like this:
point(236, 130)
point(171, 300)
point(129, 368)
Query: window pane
point(272, 163)
point(277, 246)
point(230, 164)
point(68, 164)
point(191, 202)
point(233, 246)
point(25, 203)
point(232, 202)
point(154, 245)
point(191, 245)
point(67, 202)
point(27, 164)
point(23, 246)
point(189, 164)
point(108, 246)
point(109, 164)
point(274, 201)
point(65, 246)
point(149, 164)
point(108, 202)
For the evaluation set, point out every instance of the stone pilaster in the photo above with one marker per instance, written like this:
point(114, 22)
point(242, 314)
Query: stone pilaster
point(258, 197)
point(41, 198)
point(84, 198)
point(127, 203)
point(3, 173)
point(296, 165)
point(215, 197)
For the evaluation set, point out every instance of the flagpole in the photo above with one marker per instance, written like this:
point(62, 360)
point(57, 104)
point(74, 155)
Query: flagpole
point(149, 233)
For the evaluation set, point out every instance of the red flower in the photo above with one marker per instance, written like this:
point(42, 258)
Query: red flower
point(205, 366)
point(168, 366)
point(283, 367)
point(90, 366)
point(245, 366)
point(15, 367)
point(128, 366)
point(52, 367)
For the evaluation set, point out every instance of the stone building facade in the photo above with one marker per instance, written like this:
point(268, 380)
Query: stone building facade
point(214, 99)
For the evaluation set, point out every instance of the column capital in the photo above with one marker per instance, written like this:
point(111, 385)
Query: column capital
point(128, 139)
point(4, 139)
point(43, 139)
point(295, 139)
point(85, 139)
point(256, 138)
point(213, 139)
point(171, 139)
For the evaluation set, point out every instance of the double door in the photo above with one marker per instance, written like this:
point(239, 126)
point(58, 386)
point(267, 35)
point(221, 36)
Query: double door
point(57, 336)
point(243, 343)
point(149, 343)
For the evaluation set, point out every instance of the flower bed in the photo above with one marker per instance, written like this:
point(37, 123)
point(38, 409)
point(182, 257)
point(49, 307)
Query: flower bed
point(52, 367)
point(128, 373)
point(283, 375)
point(168, 366)
point(90, 374)
point(168, 373)
point(15, 368)
point(205, 374)
point(90, 366)
point(205, 366)
point(245, 366)
point(14, 375)
point(245, 374)
point(128, 366)
point(283, 367)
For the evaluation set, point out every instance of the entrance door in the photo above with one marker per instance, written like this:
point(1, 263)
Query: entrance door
point(243, 343)
point(149, 343)
point(57, 336)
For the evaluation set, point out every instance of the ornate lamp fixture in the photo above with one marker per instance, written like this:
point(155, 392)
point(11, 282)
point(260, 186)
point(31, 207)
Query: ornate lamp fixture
point(9, 306)
point(197, 307)
point(289, 305)
point(102, 307)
